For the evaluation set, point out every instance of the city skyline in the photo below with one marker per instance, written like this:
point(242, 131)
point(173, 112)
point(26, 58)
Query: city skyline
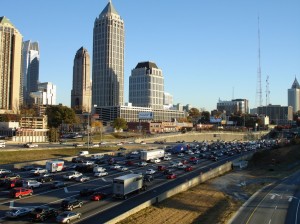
point(201, 47)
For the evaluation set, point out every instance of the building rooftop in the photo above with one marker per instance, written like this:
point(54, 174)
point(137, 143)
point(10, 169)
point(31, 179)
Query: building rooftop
point(4, 20)
point(295, 84)
point(109, 9)
point(146, 64)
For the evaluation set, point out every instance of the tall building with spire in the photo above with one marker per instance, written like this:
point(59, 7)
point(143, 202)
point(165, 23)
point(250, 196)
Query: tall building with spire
point(81, 91)
point(146, 86)
point(108, 58)
point(30, 69)
point(10, 66)
point(294, 96)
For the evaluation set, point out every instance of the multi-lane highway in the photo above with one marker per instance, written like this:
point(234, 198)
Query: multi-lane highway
point(93, 212)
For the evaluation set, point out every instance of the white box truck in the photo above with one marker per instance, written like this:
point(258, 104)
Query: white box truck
point(128, 184)
point(152, 154)
point(55, 165)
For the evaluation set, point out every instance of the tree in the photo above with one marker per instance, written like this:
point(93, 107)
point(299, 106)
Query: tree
point(60, 114)
point(194, 114)
point(205, 117)
point(120, 123)
point(97, 125)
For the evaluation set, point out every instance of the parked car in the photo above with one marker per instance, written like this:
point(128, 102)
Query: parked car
point(32, 184)
point(150, 171)
point(67, 217)
point(19, 192)
point(82, 178)
point(58, 184)
point(70, 204)
point(97, 196)
point(171, 176)
point(42, 213)
point(100, 174)
point(18, 212)
point(86, 192)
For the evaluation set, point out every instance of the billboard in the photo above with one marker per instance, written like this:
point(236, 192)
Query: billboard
point(145, 115)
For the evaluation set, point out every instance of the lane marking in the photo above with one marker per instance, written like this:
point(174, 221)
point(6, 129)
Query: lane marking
point(273, 196)
point(296, 219)
point(11, 204)
point(270, 221)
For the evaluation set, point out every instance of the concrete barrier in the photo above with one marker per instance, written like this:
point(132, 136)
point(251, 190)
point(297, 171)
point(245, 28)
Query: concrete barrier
point(178, 189)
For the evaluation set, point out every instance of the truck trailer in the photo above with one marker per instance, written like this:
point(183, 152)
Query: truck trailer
point(128, 184)
point(152, 154)
point(54, 166)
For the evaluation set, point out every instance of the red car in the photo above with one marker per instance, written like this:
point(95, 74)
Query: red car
point(19, 192)
point(161, 168)
point(171, 176)
point(192, 159)
point(185, 161)
point(97, 196)
point(129, 163)
point(188, 168)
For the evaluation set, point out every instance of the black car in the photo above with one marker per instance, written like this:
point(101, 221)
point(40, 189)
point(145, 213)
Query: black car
point(84, 168)
point(42, 213)
point(28, 167)
point(77, 160)
point(148, 177)
point(58, 184)
point(9, 176)
point(87, 192)
point(44, 179)
point(70, 204)
point(168, 171)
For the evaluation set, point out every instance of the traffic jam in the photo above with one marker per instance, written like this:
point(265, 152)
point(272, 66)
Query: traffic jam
point(60, 190)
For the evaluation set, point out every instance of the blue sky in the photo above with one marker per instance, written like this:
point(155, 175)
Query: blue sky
point(206, 49)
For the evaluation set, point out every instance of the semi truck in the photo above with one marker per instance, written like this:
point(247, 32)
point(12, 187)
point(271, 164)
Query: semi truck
point(152, 154)
point(54, 166)
point(126, 185)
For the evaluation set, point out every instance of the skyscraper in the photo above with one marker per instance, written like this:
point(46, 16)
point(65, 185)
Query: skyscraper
point(294, 96)
point(30, 69)
point(81, 91)
point(146, 86)
point(108, 59)
point(10, 66)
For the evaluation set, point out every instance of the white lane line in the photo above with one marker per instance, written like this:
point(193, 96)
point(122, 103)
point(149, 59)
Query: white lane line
point(11, 204)
point(276, 207)
point(296, 219)
point(273, 196)
point(270, 221)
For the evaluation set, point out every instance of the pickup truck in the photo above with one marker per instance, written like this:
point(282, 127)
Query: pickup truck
point(72, 175)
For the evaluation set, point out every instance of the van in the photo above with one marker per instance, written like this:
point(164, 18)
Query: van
point(83, 153)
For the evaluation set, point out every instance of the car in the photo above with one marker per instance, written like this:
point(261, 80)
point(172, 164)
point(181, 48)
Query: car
point(97, 196)
point(180, 155)
point(122, 168)
point(143, 143)
point(67, 217)
point(4, 171)
point(77, 160)
point(77, 144)
point(114, 167)
point(193, 158)
point(169, 171)
point(42, 213)
point(103, 143)
point(182, 166)
point(82, 178)
point(134, 153)
point(167, 158)
point(38, 171)
point(120, 143)
point(30, 145)
point(28, 167)
point(129, 163)
point(148, 177)
point(19, 192)
point(122, 149)
point(142, 164)
point(188, 168)
point(161, 168)
point(88, 162)
point(150, 171)
point(100, 174)
point(171, 176)
point(18, 212)
point(155, 160)
point(32, 184)
point(86, 192)
point(167, 154)
point(10, 176)
point(13, 183)
point(58, 184)
point(44, 179)
point(70, 204)
point(184, 161)
point(72, 175)
point(2, 145)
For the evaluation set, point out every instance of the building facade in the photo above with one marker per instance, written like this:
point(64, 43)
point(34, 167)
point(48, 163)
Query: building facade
point(30, 69)
point(233, 106)
point(10, 67)
point(81, 91)
point(294, 96)
point(108, 59)
point(146, 86)
point(46, 94)
point(279, 115)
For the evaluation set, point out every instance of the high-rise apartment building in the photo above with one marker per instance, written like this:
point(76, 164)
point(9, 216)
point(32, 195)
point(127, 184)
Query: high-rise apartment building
point(10, 66)
point(294, 96)
point(30, 69)
point(81, 91)
point(146, 86)
point(108, 59)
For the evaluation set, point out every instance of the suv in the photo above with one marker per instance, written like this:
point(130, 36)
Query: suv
point(19, 192)
point(32, 184)
point(42, 213)
point(70, 204)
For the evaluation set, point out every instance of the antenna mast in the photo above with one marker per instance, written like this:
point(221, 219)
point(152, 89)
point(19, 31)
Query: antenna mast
point(258, 87)
point(267, 92)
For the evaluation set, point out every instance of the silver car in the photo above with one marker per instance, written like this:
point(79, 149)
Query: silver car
point(67, 217)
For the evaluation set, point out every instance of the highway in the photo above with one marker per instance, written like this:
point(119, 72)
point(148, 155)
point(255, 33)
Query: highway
point(278, 203)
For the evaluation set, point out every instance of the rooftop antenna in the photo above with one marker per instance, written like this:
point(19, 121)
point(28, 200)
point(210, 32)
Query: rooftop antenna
point(258, 87)
point(267, 92)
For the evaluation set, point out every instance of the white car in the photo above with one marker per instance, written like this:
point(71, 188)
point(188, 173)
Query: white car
point(167, 154)
point(4, 171)
point(143, 143)
point(180, 155)
point(82, 178)
point(32, 184)
point(114, 167)
point(32, 145)
point(101, 174)
point(181, 166)
point(134, 152)
point(95, 145)
point(155, 160)
point(38, 171)
point(122, 168)
point(2, 145)
point(72, 175)
point(150, 171)
point(88, 162)
point(167, 158)
point(103, 143)
point(142, 164)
